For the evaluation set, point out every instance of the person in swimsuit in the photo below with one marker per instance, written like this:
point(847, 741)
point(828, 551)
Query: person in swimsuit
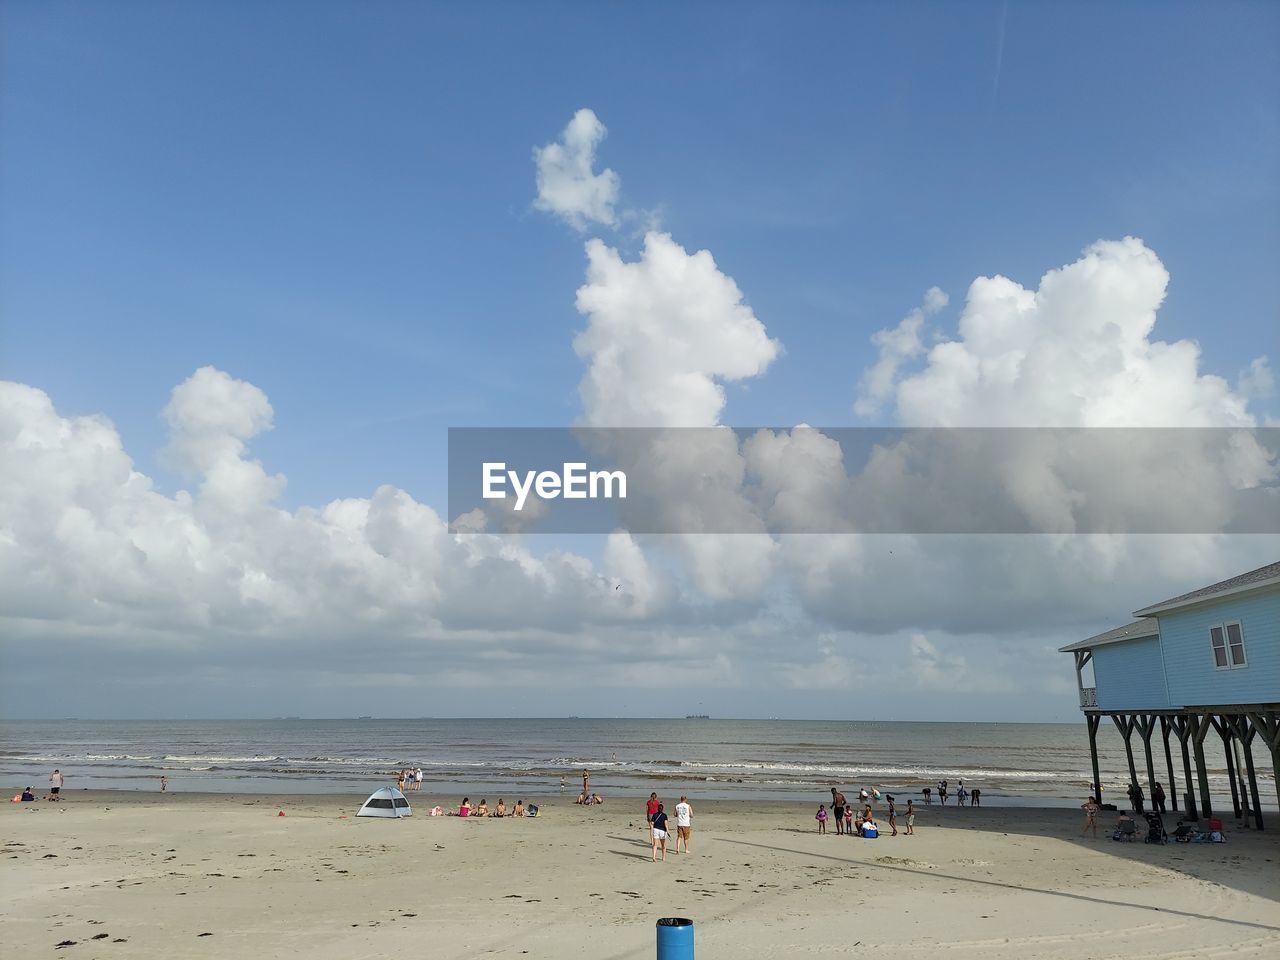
point(911, 818)
point(837, 809)
point(1090, 808)
point(821, 817)
point(501, 809)
point(893, 818)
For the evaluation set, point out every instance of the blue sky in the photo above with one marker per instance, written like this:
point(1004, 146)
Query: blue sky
point(334, 201)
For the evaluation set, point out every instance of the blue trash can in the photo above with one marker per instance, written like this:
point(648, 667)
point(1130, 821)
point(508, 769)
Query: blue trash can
point(675, 939)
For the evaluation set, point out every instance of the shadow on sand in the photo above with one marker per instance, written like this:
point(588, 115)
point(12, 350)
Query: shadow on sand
point(871, 865)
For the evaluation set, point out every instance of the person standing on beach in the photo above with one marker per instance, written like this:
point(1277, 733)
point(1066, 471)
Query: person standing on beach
point(56, 781)
point(684, 822)
point(650, 808)
point(975, 797)
point(821, 817)
point(893, 817)
point(942, 792)
point(1157, 798)
point(164, 784)
point(911, 818)
point(586, 782)
point(1090, 808)
point(837, 810)
point(659, 831)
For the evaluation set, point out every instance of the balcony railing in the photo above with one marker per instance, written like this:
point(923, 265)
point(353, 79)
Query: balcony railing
point(1088, 698)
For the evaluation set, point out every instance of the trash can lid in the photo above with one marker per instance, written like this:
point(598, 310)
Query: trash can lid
point(675, 922)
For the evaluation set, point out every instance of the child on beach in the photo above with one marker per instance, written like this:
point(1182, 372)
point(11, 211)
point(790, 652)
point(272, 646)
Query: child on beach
point(848, 820)
point(821, 817)
point(911, 818)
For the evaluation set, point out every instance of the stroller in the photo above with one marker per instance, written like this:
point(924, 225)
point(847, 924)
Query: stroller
point(1155, 829)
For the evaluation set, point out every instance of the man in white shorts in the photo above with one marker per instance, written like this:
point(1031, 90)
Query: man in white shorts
point(684, 823)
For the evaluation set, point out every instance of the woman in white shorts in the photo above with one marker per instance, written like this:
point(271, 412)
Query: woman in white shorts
point(660, 834)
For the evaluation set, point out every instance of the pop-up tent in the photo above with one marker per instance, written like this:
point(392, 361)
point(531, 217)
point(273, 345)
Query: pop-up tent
point(386, 802)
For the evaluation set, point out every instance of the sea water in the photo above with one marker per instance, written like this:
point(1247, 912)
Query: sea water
point(1011, 763)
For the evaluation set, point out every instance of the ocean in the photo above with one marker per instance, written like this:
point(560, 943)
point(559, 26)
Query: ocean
point(1012, 763)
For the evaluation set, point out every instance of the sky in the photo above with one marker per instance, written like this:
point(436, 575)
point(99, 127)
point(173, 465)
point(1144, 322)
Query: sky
point(255, 260)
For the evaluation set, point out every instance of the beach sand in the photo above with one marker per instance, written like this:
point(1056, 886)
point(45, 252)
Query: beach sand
point(133, 875)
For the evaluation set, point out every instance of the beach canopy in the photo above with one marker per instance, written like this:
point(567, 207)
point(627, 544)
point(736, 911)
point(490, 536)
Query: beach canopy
point(386, 802)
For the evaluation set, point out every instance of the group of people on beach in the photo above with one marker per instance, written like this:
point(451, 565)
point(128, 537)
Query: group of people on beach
point(974, 796)
point(409, 779)
point(656, 819)
point(465, 809)
point(56, 783)
point(862, 824)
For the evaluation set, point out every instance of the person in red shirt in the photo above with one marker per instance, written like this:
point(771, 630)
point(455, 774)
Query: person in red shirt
point(650, 809)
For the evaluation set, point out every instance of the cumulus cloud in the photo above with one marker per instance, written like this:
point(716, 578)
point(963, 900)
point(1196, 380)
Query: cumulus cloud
point(662, 333)
point(87, 540)
point(1077, 351)
point(896, 346)
point(567, 185)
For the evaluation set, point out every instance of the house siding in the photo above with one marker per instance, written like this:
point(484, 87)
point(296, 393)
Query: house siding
point(1190, 674)
point(1129, 676)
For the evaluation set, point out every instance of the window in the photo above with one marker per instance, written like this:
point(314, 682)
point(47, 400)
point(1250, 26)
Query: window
point(1227, 641)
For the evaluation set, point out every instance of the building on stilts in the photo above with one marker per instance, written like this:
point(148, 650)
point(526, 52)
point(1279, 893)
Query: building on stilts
point(1204, 663)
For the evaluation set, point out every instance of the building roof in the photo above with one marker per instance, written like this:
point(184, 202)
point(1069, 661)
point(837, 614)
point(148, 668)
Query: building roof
point(1137, 630)
point(1254, 579)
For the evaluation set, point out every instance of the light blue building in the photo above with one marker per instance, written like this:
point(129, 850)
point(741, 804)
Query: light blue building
point(1206, 660)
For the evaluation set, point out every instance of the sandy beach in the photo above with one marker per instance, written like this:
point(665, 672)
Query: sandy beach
point(123, 874)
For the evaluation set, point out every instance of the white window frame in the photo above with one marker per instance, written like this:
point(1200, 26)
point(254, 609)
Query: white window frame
point(1226, 648)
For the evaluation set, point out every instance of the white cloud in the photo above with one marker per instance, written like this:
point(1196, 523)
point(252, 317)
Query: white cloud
point(87, 541)
point(567, 186)
point(1075, 352)
point(1257, 381)
point(896, 346)
point(662, 332)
